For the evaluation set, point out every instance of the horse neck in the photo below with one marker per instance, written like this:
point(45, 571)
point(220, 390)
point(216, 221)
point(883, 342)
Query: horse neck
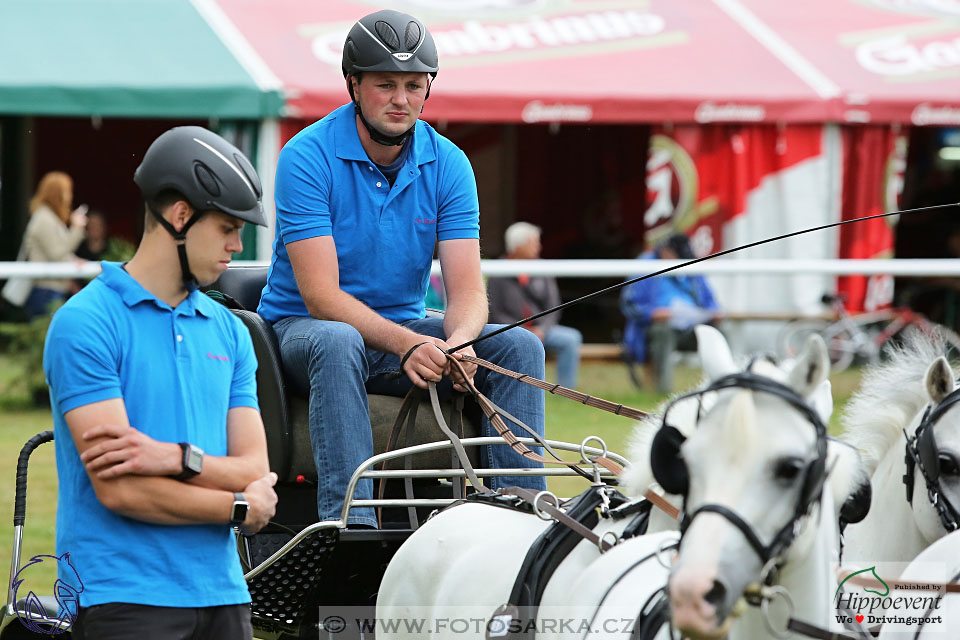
point(890, 513)
point(808, 575)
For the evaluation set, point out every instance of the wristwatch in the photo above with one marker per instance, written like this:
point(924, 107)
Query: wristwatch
point(239, 511)
point(192, 461)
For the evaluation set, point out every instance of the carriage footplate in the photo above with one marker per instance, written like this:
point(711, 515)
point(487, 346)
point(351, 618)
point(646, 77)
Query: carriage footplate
point(284, 593)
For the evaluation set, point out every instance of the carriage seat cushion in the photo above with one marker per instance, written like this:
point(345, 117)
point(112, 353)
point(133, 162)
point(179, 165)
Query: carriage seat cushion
point(285, 412)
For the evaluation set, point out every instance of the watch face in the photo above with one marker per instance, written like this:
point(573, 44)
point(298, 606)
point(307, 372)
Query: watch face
point(239, 512)
point(194, 460)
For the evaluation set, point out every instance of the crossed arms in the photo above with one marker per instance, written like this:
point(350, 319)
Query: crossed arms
point(130, 471)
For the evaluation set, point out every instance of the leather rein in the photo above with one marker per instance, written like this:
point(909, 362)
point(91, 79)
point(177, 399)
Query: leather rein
point(496, 415)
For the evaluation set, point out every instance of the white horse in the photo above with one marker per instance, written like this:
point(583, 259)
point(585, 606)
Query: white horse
point(749, 458)
point(739, 454)
point(893, 398)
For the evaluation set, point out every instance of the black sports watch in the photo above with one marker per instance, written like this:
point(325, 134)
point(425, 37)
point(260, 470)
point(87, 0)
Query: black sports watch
point(192, 461)
point(239, 511)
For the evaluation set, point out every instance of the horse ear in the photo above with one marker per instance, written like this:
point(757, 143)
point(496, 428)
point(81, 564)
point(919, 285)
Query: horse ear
point(939, 380)
point(811, 368)
point(822, 400)
point(715, 356)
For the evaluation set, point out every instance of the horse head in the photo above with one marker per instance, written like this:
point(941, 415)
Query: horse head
point(751, 471)
point(933, 456)
point(906, 421)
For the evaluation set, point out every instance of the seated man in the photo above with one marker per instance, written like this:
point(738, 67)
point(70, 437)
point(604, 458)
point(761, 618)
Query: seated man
point(362, 197)
point(661, 313)
point(512, 299)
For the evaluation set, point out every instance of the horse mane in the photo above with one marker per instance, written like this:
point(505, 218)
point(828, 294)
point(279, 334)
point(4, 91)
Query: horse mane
point(891, 393)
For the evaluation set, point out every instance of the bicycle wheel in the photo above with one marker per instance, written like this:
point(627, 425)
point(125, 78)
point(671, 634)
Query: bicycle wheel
point(843, 346)
point(793, 336)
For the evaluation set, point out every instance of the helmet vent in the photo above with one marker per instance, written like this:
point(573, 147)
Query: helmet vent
point(388, 35)
point(412, 36)
point(207, 179)
point(351, 51)
point(249, 172)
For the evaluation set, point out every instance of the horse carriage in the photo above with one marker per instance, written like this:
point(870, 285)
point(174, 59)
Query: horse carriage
point(763, 495)
point(295, 566)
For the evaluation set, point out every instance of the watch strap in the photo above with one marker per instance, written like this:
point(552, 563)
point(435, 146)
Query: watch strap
point(238, 515)
point(186, 472)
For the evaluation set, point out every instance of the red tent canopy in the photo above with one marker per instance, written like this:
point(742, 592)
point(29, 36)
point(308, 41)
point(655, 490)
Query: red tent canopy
point(894, 60)
point(641, 61)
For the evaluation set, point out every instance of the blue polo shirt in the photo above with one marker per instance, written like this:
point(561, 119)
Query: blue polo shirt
point(178, 372)
point(326, 185)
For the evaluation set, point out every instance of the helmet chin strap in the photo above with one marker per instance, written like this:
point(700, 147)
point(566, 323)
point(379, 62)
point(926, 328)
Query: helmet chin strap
point(381, 138)
point(189, 280)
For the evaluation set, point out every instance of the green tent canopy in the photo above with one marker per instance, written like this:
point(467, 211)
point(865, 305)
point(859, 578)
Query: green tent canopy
point(122, 58)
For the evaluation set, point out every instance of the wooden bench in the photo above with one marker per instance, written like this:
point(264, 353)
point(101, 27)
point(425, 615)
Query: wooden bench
point(600, 351)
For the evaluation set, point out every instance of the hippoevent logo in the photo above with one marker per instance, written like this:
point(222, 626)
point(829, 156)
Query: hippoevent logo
point(66, 590)
point(864, 598)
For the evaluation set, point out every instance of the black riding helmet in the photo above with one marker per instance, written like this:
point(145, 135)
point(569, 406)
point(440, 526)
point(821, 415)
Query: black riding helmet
point(388, 41)
point(210, 174)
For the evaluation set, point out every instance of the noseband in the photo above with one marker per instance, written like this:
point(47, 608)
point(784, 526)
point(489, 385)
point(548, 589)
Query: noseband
point(921, 453)
point(813, 479)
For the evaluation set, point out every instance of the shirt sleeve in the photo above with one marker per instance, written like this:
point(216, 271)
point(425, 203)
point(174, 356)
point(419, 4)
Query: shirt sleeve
point(243, 388)
point(458, 213)
point(81, 360)
point(302, 192)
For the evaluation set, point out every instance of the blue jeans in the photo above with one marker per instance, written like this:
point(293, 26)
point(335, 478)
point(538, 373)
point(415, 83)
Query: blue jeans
point(329, 361)
point(565, 343)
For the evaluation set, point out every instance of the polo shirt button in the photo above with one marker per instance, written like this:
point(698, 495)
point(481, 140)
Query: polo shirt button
point(369, 167)
point(179, 338)
point(379, 184)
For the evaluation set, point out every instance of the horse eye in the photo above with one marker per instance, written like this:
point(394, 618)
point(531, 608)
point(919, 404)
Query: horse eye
point(788, 468)
point(948, 465)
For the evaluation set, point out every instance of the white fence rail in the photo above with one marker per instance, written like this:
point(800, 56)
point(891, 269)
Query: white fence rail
point(593, 268)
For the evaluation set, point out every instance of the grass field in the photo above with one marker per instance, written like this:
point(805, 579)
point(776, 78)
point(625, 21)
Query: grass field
point(566, 420)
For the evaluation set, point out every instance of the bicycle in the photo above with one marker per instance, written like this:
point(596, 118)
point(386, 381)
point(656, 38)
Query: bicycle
point(861, 337)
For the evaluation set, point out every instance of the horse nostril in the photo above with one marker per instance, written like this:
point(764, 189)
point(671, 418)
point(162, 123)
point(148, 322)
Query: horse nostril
point(716, 594)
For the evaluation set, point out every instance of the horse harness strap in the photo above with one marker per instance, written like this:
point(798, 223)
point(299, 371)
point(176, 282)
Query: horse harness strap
point(536, 498)
point(549, 550)
point(651, 496)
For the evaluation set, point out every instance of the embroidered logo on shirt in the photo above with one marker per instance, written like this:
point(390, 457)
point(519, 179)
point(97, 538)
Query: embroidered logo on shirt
point(214, 356)
point(426, 220)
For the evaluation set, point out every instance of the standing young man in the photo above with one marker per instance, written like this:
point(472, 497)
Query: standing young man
point(159, 442)
point(363, 196)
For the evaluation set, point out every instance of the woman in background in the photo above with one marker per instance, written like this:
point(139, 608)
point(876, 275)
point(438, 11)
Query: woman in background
point(52, 235)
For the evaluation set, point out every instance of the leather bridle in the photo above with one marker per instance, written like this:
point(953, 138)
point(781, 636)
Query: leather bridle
point(921, 453)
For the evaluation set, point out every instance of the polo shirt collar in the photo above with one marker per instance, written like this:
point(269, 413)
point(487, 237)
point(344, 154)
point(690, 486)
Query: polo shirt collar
point(132, 292)
point(347, 140)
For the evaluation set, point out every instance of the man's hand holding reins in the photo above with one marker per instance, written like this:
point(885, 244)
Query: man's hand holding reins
point(468, 367)
point(427, 362)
